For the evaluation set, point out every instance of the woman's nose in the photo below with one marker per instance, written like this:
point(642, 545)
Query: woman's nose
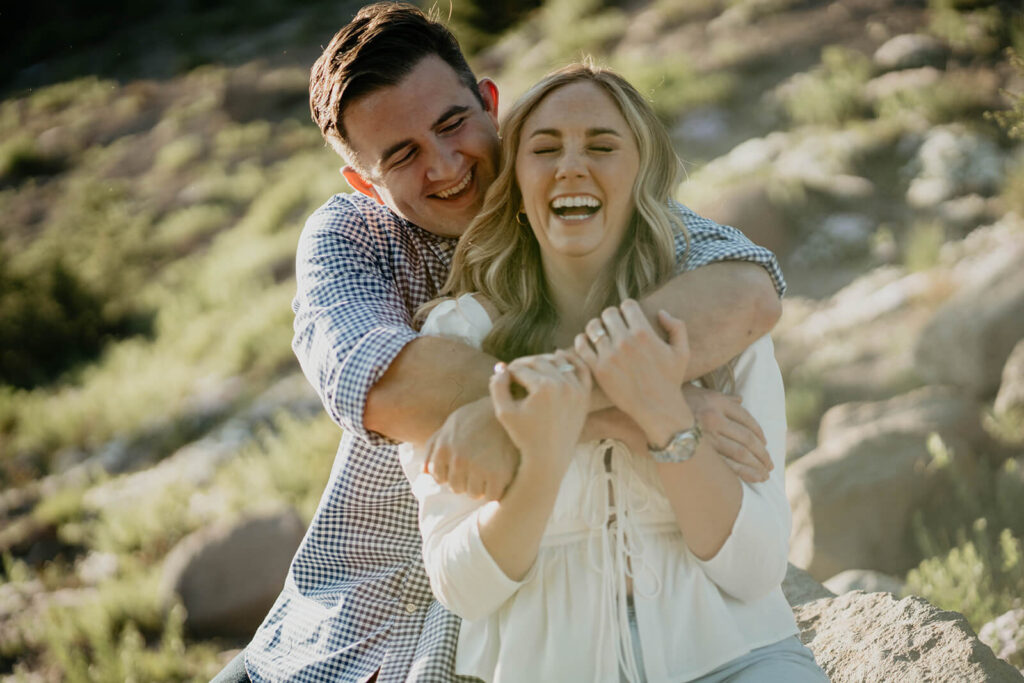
point(571, 165)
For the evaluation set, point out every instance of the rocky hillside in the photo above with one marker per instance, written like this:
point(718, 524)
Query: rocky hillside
point(154, 427)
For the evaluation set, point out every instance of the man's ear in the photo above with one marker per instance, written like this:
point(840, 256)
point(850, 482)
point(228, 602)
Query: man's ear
point(489, 93)
point(360, 184)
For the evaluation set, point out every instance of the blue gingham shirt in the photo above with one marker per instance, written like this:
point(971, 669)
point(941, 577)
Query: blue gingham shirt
point(357, 597)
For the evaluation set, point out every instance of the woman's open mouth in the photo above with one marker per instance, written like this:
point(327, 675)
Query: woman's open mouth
point(575, 207)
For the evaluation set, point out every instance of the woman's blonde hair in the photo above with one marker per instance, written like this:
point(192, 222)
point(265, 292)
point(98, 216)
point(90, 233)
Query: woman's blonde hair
point(499, 257)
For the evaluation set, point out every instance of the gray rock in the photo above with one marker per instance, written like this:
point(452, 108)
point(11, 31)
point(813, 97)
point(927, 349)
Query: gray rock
point(969, 339)
point(1010, 398)
point(228, 576)
point(1005, 635)
point(967, 212)
point(748, 207)
point(841, 236)
point(864, 580)
point(875, 637)
point(908, 51)
point(953, 161)
point(800, 587)
point(854, 496)
point(896, 82)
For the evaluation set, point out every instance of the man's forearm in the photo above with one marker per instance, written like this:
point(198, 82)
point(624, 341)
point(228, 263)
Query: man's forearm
point(726, 306)
point(427, 381)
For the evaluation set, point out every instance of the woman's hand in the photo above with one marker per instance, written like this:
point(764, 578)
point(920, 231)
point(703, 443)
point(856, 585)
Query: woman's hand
point(545, 424)
point(641, 374)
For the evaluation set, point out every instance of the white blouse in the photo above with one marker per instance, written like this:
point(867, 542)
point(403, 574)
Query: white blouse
point(566, 620)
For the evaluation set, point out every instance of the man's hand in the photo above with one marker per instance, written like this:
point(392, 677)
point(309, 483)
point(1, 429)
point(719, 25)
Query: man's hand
point(472, 452)
point(731, 431)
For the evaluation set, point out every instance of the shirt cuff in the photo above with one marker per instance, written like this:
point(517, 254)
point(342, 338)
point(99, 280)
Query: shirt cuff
point(363, 367)
point(742, 567)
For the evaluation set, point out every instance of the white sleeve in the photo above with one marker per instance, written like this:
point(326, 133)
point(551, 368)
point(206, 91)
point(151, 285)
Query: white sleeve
point(463, 575)
point(753, 560)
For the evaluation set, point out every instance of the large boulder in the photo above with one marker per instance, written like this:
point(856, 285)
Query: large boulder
point(854, 496)
point(227, 576)
point(968, 340)
point(861, 636)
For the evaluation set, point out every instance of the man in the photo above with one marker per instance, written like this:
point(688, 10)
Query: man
point(393, 95)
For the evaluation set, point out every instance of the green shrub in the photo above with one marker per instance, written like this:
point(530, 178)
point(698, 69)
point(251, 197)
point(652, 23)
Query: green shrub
point(979, 31)
point(956, 96)
point(673, 86)
point(120, 635)
point(288, 464)
point(970, 533)
point(804, 405)
point(578, 27)
point(830, 94)
point(1012, 119)
point(50, 321)
point(979, 578)
point(478, 23)
point(923, 244)
point(20, 158)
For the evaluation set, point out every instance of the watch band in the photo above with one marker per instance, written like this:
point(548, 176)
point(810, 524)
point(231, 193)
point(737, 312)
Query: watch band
point(680, 448)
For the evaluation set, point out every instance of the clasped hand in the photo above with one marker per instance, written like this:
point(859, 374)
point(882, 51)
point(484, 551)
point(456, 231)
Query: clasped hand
point(639, 372)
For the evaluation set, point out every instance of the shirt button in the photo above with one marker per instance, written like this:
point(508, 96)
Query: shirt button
point(410, 607)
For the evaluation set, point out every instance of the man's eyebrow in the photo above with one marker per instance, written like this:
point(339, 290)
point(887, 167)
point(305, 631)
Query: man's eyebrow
point(591, 132)
point(454, 110)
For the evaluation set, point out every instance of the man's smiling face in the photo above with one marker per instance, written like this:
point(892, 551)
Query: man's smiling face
point(425, 147)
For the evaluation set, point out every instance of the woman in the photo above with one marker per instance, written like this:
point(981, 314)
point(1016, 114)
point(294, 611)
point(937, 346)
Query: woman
point(601, 564)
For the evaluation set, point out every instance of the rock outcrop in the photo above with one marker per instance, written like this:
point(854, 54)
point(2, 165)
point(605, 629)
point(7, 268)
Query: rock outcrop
point(228, 576)
point(853, 497)
point(862, 636)
point(970, 337)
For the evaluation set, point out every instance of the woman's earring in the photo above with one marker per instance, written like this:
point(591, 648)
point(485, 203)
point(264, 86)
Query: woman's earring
point(521, 219)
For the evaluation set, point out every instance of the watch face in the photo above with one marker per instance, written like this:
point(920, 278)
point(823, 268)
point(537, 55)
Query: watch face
point(680, 449)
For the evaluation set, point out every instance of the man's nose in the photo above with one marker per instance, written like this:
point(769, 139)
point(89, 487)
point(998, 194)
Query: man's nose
point(445, 162)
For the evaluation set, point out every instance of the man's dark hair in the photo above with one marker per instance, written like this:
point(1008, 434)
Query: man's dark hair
point(377, 49)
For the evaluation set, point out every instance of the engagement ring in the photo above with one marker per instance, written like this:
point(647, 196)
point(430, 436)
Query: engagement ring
point(596, 334)
point(565, 367)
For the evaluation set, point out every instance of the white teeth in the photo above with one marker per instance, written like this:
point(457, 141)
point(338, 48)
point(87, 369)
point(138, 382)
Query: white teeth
point(458, 188)
point(575, 201)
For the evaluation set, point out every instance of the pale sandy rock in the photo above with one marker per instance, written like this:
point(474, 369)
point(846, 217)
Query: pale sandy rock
point(875, 637)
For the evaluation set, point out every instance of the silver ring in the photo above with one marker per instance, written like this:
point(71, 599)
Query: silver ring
point(565, 367)
point(595, 335)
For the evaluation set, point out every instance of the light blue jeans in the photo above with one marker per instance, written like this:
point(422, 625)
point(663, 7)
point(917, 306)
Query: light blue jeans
point(787, 661)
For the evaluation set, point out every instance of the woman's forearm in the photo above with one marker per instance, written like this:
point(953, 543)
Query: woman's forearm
point(705, 495)
point(511, 528)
